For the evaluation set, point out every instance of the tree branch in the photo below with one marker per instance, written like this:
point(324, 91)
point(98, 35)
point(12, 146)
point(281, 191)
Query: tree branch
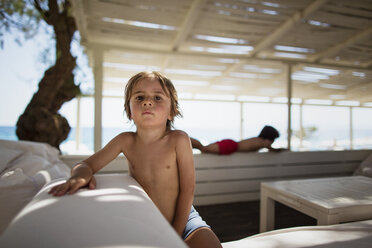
point(53, 11)
point(43, 13)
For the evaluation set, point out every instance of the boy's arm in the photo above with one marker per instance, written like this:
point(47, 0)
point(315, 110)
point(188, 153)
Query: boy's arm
point(186, 175)
point(108, 153)
point(82, 173)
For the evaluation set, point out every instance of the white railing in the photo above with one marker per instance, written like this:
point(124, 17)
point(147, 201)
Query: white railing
point(237, 177)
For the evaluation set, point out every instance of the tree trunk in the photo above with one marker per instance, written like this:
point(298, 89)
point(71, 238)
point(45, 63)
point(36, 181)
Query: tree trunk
point(41, 121)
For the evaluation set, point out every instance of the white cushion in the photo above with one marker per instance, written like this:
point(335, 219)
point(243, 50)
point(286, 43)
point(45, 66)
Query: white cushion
point(7, 155)
point(116, 214)
point(365, 168)
point(28, 166)
point(16, 190)
point(355, 234)
point(42, 169)
point(38, 148)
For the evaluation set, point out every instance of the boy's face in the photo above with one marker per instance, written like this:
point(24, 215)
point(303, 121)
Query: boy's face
point(149, 104)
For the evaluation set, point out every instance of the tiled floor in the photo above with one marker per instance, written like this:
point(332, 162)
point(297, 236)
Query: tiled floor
point(239, 220)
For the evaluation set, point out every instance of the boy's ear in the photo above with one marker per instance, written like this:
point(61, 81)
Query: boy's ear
point(170, 116)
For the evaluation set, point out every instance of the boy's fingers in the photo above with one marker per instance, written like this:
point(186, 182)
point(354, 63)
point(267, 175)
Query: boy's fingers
point(62, 189)
point(92, 183)
point(73, 188)
point(51, 191)
point(54, 189)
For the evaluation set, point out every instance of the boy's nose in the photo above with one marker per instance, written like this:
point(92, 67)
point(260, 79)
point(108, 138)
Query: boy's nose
point(147, 102)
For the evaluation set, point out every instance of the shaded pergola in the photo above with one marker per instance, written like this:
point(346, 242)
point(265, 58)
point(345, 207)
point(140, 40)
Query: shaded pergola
point(297, 50)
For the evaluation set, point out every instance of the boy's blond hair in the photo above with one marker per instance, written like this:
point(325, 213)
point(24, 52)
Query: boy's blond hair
point(166, 85)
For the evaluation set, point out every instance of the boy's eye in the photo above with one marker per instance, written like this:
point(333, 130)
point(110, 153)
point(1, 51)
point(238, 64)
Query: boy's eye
point(157, 98)
point(139, 98)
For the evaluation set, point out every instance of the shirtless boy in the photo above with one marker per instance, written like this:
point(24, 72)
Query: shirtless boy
point(265, 139)
point(160, 159)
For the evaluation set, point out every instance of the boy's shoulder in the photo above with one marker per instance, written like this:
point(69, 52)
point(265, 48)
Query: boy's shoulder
point(126, 136)
point(179, 136)
point(127, 133)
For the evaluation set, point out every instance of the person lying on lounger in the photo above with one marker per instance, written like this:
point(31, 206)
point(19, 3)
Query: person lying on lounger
point(265, 139)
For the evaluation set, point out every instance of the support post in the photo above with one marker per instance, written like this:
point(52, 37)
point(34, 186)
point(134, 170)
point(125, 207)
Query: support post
point(301, 128)
point(78, 124)
point(289, 95)
point(267, 211)
point(351, 127)
point(98, 87)
point(241, 120)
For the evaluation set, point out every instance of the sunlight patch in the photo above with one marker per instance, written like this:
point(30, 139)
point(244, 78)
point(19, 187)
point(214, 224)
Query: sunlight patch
point(101, 192)
point(333, 86)
point(293, 49)
point(318, 23)
point(190, 83)
point(119, 198)
point(348, 103)
point(193, 72)
point(330, 72)
point(318, 101)
point(138, 23)
point(220, 39)
point(254, 98)
point(290, 55)
point(37, 206)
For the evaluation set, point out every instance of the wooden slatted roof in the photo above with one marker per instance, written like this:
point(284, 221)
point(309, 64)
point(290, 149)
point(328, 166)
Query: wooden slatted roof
point(236, 48)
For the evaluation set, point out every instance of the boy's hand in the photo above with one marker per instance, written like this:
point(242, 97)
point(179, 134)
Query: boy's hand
point(72, 185)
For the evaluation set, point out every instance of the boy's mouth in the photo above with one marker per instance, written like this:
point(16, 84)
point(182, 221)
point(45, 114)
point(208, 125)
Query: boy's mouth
point(147, 113)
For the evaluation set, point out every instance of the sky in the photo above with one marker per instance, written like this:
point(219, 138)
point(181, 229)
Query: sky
point(20, 69)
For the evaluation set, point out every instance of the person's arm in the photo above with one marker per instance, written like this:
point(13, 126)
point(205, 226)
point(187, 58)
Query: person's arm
point(271, 149)
point(82, 173)
point(253, 144)
point(185, 162)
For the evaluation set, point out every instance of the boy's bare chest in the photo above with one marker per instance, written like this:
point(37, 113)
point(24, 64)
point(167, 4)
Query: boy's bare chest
point(152, 162)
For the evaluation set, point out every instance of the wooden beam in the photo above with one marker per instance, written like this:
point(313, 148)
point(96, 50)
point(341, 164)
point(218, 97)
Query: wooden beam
point(286, 26)
point(188, 23)
point(334, 49)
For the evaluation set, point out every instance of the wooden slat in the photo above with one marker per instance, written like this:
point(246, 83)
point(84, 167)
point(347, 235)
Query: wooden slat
point(165, 15)
point(354, 8)
point(226, 198)
point(268, 159)
point(234, 173)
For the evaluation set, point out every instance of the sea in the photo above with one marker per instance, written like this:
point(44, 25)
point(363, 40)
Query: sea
point(86, 144)
point(363, 139)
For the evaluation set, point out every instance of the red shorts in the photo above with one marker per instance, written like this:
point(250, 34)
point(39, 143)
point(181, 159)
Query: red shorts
point(227, 146)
